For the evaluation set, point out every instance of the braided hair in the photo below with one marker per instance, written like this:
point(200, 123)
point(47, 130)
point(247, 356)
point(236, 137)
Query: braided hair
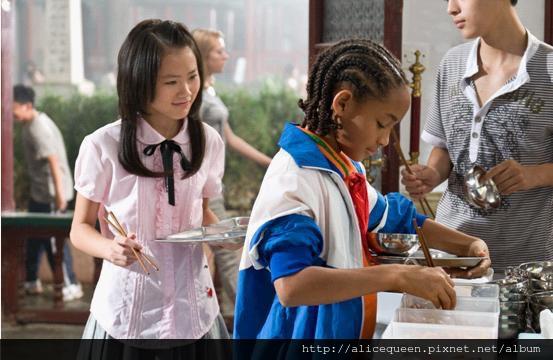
point(367, 67)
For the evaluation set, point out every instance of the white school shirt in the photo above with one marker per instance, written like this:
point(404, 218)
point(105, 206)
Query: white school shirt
point(179, 300)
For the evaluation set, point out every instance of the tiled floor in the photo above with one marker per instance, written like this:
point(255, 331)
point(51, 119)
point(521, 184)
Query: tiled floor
point(47, 331)
point(51, 331)
point(41, 331)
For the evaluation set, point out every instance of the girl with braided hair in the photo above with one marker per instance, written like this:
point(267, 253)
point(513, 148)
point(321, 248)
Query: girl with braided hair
point(306, 268)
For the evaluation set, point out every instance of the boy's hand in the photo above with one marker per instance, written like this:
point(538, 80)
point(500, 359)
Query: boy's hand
point(433, 284)
point(510, 176)
point(421, 182)
point(477, 249)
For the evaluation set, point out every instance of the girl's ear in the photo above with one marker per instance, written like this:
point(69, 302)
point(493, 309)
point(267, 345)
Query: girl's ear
point(342, 100)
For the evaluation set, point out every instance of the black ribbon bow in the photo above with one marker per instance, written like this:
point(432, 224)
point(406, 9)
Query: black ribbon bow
point(167, 148)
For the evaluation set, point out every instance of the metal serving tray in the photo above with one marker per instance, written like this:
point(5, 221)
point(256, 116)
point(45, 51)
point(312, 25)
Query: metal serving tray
point(440, 258)
point(444, 259)
point(231, 230)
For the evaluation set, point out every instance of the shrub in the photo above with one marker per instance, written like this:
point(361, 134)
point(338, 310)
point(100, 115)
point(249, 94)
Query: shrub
point(258, 117)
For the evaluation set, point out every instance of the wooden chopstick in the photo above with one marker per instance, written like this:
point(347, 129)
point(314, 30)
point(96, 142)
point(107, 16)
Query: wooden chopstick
point(424, 207)
point(150, 261)
point(422, 241)
point(117, 225)
point(422, 202)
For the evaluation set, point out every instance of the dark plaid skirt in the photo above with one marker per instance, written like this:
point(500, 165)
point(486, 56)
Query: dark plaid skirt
point(96, 344)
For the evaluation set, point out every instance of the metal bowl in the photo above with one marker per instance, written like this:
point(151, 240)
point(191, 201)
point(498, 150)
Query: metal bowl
point(540, 285)
point(512, 289)
point(535, 323)
point(514, 272)
point(534, 315)
point(511, 296)
point(536, 308)
point(512, 285)
point(513, 318)
point(485, 194)
point(513, 307)
point(396, 244)
point(544, 298)
point(540, 270)
point(510, 329)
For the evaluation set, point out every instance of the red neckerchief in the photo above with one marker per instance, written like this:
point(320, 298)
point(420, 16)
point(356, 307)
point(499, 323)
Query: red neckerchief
point(356, 185)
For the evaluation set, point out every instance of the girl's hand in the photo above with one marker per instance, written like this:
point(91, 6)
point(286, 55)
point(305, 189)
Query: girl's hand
point(421, 182)
point(120, 253)
point(477, 248)
point(433, 284)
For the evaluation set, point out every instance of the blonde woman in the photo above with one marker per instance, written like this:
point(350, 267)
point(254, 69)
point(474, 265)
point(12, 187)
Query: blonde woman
point(214, 112)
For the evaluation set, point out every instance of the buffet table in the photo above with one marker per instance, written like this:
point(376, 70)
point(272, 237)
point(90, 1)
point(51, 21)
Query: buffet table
point(473, 295)
point(16, 228)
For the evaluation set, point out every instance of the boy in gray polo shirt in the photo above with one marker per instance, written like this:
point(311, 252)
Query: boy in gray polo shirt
point(493, 107)
point(51, 185)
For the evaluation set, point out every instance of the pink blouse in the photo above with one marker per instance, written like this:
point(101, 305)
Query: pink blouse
point(178, 301)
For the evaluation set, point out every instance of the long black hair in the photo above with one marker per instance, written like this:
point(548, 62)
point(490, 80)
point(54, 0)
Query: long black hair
point(367, 67)
point(138, 63)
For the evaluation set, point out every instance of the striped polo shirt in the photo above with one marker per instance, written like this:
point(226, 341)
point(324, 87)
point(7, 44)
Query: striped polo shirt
point(515, 123)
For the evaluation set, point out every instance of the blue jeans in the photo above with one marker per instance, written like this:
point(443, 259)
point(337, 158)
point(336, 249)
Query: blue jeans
point(36, 246)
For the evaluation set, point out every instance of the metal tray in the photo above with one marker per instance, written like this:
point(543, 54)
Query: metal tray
point(444, 259)
point(231, 231)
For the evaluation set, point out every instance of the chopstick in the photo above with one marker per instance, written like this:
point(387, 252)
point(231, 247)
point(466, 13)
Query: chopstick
point(117, 225)
point(422, 202)
point(422, 241)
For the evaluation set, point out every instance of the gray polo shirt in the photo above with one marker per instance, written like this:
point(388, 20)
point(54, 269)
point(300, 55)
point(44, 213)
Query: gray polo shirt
point(515, 123)
point(42, 138)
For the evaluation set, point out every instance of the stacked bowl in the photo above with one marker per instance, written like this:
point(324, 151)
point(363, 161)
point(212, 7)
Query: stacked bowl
point(540, 288)
point(537, 303)
point(513, 295)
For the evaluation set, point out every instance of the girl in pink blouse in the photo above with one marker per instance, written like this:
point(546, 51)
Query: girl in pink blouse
point(155, 168)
